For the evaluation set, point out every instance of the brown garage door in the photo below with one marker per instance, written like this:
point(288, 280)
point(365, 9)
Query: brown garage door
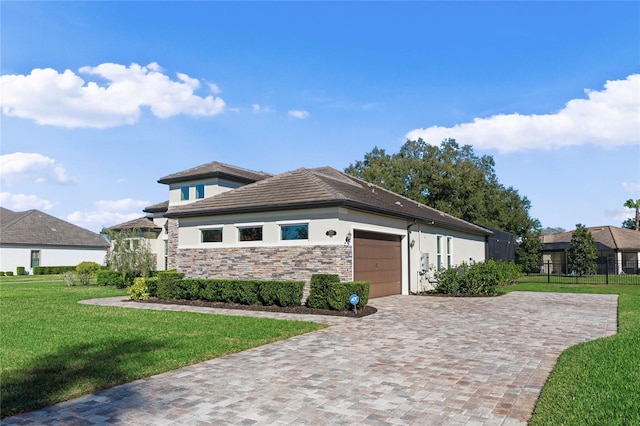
point(378, 258)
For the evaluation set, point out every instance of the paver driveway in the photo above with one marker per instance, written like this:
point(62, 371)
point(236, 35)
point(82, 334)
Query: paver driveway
point(419, 360)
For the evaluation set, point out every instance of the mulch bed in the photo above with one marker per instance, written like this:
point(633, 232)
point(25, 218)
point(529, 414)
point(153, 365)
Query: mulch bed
point(304, 310)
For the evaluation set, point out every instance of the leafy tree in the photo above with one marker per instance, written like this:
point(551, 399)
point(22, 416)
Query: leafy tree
point(129, 254)
point(529, 252)
point(553, 231)
point(452, 179)
point(583, 253)
point(631, 223)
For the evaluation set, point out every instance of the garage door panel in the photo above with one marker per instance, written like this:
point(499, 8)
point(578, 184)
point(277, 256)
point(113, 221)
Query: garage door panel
point(378, 259)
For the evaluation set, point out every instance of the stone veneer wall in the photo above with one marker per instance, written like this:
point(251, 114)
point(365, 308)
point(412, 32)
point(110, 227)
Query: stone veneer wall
point(172, 245)
point(267, 263)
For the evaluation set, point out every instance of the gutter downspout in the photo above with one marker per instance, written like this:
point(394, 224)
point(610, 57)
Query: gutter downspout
point(409, 255)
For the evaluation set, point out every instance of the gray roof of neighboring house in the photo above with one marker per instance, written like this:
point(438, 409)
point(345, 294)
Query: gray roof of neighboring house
point(157, 208)
point(606, 237)
point(213, 170)
point(324, 186)
point(35, 228)
point(144, 223)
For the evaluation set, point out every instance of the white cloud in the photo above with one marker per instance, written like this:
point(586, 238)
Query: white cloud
point(298, 114)
point(606, 118)
point(259, 108)
point(631, 186)
point(66, 100)
point(21, 202)
point(108, 213)
point(32, 166)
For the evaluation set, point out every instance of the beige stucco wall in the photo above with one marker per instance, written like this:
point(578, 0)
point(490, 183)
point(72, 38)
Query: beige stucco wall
point(465, 247)
point(211, 187)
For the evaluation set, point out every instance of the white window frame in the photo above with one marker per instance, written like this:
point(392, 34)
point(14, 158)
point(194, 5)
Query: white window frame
point(449, 246)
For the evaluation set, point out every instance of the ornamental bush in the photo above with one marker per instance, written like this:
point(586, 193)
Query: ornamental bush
point(139, 290)
point(20, 270)
point(109, 277)
point(86, 271)
point(320, 283)
point(339, 293)
point(482, 278)
point(281, 293)
point(168, 285)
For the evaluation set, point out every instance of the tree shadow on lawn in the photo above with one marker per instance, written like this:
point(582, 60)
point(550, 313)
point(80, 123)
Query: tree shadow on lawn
point(74, 371)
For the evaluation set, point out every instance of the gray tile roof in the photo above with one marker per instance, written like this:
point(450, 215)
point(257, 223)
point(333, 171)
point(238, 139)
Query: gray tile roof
point(144, 223)
point(215, 169)
point(36, 228)
point(157, 208)
point(607, 238)
point(324, 186)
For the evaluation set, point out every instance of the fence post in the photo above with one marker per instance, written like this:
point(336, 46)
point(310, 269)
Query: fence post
point(607, 272)
point(548, 271)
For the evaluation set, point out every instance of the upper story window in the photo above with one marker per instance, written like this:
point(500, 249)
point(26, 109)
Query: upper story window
point(184, 193)
point(294, 232)
point(211, 235)
point(199, 191)
point(250, 233)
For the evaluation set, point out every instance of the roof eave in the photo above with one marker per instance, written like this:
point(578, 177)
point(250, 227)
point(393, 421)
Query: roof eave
point(208, 175)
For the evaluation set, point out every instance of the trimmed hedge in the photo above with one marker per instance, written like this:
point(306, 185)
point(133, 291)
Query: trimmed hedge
point(245, 292)
point(109, 277)
point(339, 293)
point(52, 270)
point(20, 270)
point(319, 295)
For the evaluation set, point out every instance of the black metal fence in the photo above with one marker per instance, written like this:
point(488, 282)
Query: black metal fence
point(608, 271)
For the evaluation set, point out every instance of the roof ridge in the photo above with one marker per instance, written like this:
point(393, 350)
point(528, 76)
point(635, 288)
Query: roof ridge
point(323, 185)
point(18, 217)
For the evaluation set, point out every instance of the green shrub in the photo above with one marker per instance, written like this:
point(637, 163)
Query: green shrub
point(167, 284)
point(1, 273)
point(86, 271)
point(152, 286)
point(9, 273)
point(109, 277)
point(212, 290)
point(70, 278)
point(281, 293)
point(448, 281)
point(339, 293)
point(482, 278)
point(52, 270)
point(138, 290)
point(20, 270)
point(318, 297)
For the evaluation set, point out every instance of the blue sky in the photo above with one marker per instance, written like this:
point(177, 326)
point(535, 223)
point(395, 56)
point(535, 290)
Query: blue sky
point(101, 99)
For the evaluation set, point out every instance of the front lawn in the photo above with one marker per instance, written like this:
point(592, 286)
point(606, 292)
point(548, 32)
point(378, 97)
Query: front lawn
point(598, 382)
point(53, 349)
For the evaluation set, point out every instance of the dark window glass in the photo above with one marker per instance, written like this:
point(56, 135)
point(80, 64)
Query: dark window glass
point(250, 233)
point(184, 193)
point(200, 191)
point(35, 258)
point(294, 232)
point(212, 235)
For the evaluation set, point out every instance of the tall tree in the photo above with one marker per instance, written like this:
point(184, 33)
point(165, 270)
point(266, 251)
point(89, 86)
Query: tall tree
point(630, 223)
point(583, 254)
point(529, 252)
point(552, 231)
point(450, 178)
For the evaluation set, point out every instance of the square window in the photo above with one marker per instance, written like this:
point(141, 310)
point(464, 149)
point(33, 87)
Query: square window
point(200, 191)
point(294, 232)
point(212, 235)
point(184, 193)
point(250, 233)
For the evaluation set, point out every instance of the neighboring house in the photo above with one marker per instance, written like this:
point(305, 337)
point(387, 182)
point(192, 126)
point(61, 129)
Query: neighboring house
point(618, 250)
point(33, 238)
point(227, 222)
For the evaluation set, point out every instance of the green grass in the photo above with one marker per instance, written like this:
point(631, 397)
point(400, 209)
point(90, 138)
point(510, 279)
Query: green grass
point(598, 382)
point(53, 349)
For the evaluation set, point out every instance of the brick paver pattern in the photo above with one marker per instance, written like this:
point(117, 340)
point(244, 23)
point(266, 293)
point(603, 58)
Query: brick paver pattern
point(417, 361)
